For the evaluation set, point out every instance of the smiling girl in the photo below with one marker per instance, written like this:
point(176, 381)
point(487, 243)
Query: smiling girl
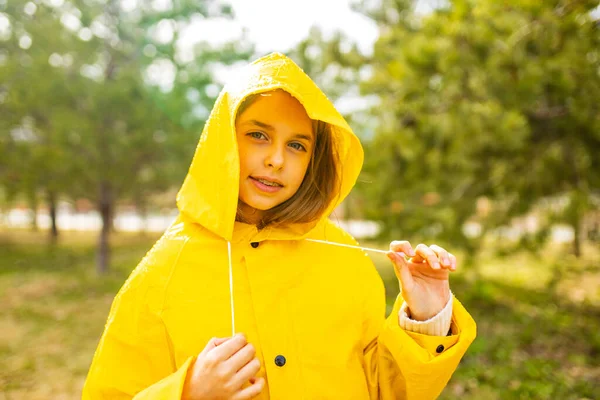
point(251, 292)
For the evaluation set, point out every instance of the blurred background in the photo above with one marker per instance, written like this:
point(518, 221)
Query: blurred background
point(481, 127)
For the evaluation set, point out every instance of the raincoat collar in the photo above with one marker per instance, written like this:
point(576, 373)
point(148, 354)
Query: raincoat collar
point(244, 233)
point(209, 194)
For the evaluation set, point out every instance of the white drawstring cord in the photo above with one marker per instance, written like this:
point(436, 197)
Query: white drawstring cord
point(231, 289)
point(347, 245)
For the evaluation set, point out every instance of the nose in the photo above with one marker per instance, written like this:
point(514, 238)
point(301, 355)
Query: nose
point(275, 158)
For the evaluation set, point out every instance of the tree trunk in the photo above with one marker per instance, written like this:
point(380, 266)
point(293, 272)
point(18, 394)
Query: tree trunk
point(34, 216)
point(577, 238)
point(105, 207)
point(105, 195)
point(576, 212)
point(53, 216)
point(579, 199)
point(142, 211)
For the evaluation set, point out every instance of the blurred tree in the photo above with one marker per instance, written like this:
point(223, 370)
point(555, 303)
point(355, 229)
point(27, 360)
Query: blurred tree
point(334, 63)
point(33, 121)
point(120, 98)
point(483, 99)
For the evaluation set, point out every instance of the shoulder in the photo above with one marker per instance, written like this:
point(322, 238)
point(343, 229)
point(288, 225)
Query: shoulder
point(355, 261)
point(155, 268)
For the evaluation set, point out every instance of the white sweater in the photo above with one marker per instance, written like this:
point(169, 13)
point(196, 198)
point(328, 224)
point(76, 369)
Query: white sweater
point(437, 325)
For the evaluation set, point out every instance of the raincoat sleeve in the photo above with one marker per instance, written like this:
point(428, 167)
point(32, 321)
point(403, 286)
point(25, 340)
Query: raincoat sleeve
point(134, 359)
point(400, 364)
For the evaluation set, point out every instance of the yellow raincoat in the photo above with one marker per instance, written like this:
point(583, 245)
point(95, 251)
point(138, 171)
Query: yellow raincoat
point(321, 307)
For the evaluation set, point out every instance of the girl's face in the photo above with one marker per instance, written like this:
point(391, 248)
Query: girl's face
point(275, 142)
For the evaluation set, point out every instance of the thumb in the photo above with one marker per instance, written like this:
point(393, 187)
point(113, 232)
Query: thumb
point(401, 269)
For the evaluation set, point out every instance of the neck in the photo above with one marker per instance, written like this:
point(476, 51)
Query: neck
point(249, 215)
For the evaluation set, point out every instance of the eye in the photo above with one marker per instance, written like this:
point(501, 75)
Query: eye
point(257, 135)
point(297, 146)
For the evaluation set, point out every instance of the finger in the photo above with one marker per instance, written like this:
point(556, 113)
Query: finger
point(401, 269)
point(442, 255)
point(417, 259)
point(212, 343)
point(220, 341)
point(247, 373)
point(452, 261)
point(403, 246)
point(428, 255)
point(251, 391)
point(229, 348)
point(241, 358)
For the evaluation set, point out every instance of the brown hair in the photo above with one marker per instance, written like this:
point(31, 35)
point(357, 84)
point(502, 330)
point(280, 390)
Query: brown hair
point(317, 190)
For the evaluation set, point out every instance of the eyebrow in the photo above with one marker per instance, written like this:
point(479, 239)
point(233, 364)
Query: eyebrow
point(271, 128)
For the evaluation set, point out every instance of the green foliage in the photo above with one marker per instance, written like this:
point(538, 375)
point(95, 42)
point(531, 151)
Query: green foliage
point(93, 114)
point(333, 63)
point(483, 99)
point(84, 111)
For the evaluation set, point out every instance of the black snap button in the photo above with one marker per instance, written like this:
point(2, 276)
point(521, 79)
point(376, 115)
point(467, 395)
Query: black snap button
point(280, 361)
point(254, 244)
point(440, 348)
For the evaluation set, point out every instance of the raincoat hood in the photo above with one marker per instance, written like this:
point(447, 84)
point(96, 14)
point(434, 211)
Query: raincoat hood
point(209, 195)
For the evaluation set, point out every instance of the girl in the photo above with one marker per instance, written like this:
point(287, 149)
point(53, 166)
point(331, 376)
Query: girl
point(241, 298)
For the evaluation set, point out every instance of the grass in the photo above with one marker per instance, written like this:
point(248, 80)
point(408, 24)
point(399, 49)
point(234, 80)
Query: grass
point(54, 309)
point(533, 342)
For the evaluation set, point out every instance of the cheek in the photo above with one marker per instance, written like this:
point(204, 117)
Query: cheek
point(245, 158)
point(300, 171)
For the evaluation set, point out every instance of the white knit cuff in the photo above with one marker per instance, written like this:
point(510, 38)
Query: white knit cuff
point(438, 325)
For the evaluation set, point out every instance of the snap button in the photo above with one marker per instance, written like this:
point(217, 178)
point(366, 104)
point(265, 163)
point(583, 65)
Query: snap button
point(254, 244)
point(440, 348)
point(280, 361)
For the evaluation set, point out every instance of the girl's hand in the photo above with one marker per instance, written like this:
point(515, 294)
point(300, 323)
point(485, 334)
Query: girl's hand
point(221, 369)
point(423, 278)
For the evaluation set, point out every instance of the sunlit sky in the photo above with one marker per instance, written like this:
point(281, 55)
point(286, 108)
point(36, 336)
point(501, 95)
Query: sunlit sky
point(276, 25)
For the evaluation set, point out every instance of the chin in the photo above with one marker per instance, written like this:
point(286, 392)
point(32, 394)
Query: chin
point(264, 205)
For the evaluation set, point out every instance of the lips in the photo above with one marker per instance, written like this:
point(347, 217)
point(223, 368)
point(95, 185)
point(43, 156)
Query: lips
point(266, 186)
point(267, 181)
